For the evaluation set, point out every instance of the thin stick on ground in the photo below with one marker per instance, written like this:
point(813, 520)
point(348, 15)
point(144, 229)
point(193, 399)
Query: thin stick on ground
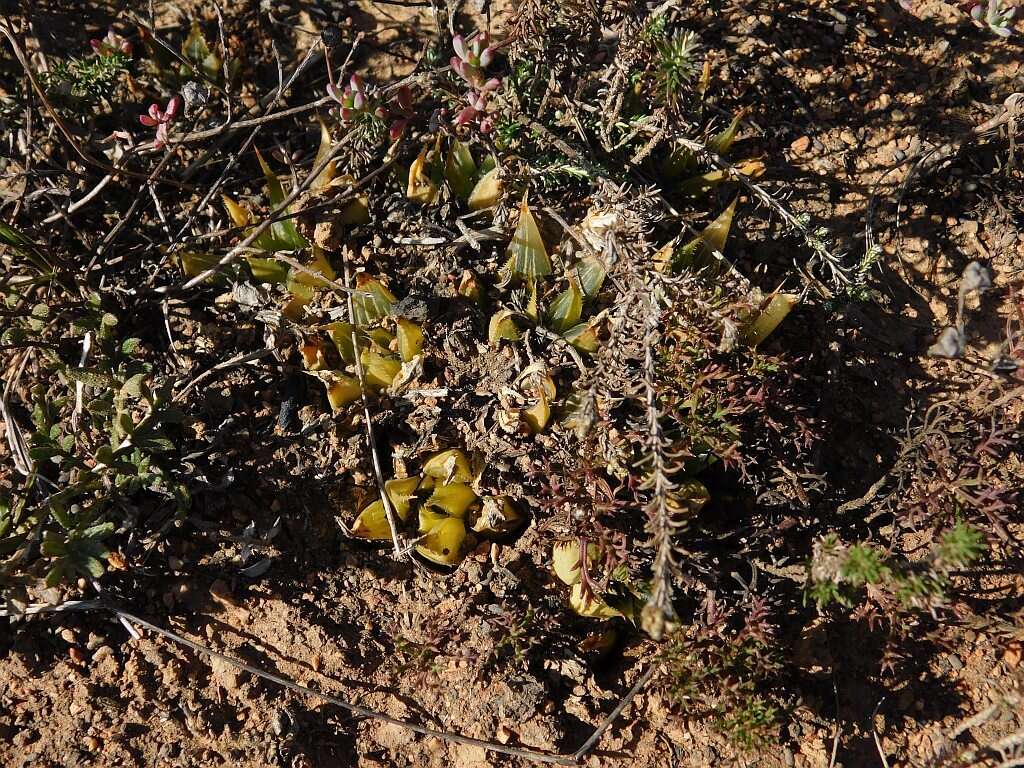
point(396, 536)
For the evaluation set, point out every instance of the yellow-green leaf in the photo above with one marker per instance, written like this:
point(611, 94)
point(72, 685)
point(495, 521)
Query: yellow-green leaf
point(590, 272)
point(583, 337)
point(269, 271)
point(324, 178)
point(400, 492)
point(594, 608)
point(453, 498)
point(503, 326)
point(372, 523)
point(239, 214)
point(527, 256)
point(723, 141)
point(565, 561)
point(567, 308)
point(374, 302)
point(378, 370)
point(410, 339)
point(460, 170)
point(449, 466)
point(769, 318)
point(422, 187)
point(342, 389)
point(487, 192)
point(700, 252)
point(697, 186)
point(444, 544)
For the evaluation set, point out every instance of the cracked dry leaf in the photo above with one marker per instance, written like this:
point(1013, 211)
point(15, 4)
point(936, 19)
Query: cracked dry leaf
point(498, 516)
point(469, 286)
point(527, 256)
point(313, 355)
point(597, 225)
point(579, 413)
point(409, 373)
point(538, 388)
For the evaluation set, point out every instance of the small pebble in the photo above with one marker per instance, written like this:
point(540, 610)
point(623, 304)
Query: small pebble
point(67, 635)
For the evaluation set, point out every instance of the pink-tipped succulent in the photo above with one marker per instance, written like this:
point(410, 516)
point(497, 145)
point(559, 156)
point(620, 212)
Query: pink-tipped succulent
point(352, 99)
point(469, 63)
point(112, 44)
point(161, 119)
point(355, 100)
point(475, 112)
point(399, 112)
point(471, 60)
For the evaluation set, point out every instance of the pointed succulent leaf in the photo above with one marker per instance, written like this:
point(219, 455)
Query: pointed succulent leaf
point(410, 339)
point(379, 370)
point(449, 466)
point(590, 273)
point(372, 523)
point(454, 499)
point(444, 543)
point(324, 178)
point(722, 142)
point(503, 326)
point(769, 318)
point(583, 337)
point(400, 492)
point(460, 170)
point(527, 255)
point(567, 308)
point(486, 192)
point(374, 302)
